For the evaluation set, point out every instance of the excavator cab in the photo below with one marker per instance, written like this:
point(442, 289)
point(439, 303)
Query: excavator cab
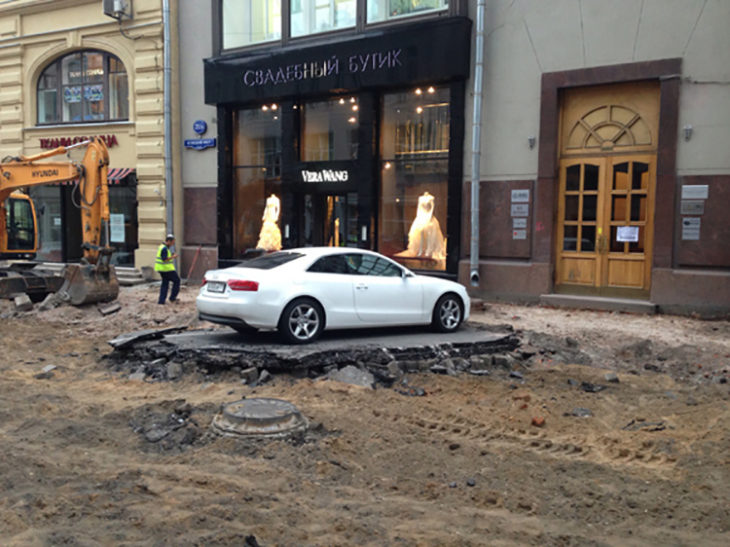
point(22, 236)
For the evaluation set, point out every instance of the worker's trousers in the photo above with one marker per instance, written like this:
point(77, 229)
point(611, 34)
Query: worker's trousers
point(167, 278)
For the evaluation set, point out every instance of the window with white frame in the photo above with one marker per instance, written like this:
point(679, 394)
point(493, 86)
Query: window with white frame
point(384, 10)
point(313, 16)
point(247, 22)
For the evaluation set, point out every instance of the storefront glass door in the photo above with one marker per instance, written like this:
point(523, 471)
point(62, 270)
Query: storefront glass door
point(330, 220)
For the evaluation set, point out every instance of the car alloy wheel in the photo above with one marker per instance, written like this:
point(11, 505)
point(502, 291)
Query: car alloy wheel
point(302, 321)
point(447, 314)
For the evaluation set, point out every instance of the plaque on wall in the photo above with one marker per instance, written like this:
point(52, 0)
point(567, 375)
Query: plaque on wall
point(519, 223)
point(693, 207)
point(520, 196)
point(690, 229)
point(519, 234)
point(695, 191)
point(519, 209)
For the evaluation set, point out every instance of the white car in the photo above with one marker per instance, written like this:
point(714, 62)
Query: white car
point(302, 292)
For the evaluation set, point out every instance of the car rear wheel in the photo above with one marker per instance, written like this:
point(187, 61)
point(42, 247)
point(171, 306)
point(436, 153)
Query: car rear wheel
point(448, 313)
point(302, 321)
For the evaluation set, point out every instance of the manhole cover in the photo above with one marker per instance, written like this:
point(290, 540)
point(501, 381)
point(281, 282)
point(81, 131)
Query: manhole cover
point(259, 418)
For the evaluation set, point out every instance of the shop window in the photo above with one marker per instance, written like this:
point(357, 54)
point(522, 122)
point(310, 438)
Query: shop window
point(83, 87)
point(257, 180)
point(414, 177)
point(247, 22)
point(384, 10)
point(329, 129)
point(123, 208)
point(313, 16)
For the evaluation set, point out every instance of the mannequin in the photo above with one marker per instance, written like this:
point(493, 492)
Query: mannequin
point(270, 235)
point(425, 238)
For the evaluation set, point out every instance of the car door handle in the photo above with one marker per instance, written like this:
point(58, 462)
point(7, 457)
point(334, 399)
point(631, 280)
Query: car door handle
point(361, 287)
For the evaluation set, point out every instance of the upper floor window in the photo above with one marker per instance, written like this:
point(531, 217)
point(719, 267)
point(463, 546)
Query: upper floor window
point(83, 87)
point(312, 16)
point(249, 22)
point(384, 10)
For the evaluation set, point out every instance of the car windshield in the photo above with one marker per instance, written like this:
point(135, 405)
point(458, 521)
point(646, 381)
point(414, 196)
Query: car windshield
point(269, 261)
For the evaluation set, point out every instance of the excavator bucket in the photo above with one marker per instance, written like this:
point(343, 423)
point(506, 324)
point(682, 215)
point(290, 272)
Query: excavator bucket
point(89, 283)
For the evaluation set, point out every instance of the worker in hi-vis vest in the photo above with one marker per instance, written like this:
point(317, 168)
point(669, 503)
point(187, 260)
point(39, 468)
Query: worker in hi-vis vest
point(165, 266)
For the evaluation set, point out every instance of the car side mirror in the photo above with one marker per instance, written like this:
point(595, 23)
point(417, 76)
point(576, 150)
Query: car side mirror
point(405, 274)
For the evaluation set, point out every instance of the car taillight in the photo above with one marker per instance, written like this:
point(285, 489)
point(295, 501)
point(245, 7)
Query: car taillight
point(241, 285)
point(204, 282)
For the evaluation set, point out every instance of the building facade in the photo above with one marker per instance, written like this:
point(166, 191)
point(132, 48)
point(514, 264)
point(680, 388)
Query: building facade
point(603, 168)
point(68, 71)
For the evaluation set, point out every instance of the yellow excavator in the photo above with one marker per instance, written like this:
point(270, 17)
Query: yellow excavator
point(94, 279)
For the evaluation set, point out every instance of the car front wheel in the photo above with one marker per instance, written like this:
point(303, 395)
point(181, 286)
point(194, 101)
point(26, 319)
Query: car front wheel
point(447, 314)
point(302, 321)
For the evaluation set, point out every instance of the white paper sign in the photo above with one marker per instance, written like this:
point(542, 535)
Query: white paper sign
point(519, 234)
point(116, 227)
point(519, 223)
point(56, 221)
point(627, 233)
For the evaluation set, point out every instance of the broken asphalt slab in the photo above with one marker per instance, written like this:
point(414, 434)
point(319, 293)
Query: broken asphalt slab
point(221, 349)
point(129, 339)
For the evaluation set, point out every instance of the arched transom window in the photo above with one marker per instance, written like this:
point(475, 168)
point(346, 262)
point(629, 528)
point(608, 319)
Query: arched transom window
point(83, 87)
point(607, 128)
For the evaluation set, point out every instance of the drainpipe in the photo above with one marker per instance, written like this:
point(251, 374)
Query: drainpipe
point(167, 93)
point(476, 146)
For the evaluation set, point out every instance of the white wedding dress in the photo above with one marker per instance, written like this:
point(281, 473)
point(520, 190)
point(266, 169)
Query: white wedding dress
point(270, 235)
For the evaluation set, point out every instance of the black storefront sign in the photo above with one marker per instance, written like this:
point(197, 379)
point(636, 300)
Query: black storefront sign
point(428, 51)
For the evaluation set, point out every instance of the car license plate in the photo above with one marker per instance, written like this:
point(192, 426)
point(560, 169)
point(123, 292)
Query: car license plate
point(216, 286)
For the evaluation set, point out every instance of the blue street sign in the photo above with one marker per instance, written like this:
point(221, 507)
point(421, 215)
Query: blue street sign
point(199, 144)
point(200, 127)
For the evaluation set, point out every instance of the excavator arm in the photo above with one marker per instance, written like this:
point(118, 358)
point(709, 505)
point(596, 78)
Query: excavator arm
point(94, 280)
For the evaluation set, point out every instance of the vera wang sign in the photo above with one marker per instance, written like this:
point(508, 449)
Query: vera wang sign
point(325, 175)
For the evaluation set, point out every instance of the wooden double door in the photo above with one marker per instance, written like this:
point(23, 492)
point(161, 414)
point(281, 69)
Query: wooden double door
point(605, 225)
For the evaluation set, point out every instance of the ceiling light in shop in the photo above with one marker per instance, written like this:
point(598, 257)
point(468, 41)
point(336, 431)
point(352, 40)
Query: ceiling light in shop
point(274, 106)
point(418, 91)
point(355, 108)
point(352, 119)
point(264, 108)
point(342, 101)
point(387, 165)
point(419, 109)
point(352, 99)
point(431, 90)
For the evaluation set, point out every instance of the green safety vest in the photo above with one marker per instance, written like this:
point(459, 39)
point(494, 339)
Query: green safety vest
point(161, 265)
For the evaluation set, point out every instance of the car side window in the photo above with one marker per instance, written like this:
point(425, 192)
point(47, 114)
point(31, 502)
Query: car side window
point(371, 265)
point(331, 264)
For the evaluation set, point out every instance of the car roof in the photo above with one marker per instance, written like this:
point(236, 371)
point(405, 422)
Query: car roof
point(322, 251)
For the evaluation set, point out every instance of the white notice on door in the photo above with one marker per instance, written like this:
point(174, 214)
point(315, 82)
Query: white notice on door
point(627, 233)
point(116, 227)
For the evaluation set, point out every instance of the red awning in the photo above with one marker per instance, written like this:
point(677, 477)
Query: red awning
point(115, 175)
point(118, 173)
